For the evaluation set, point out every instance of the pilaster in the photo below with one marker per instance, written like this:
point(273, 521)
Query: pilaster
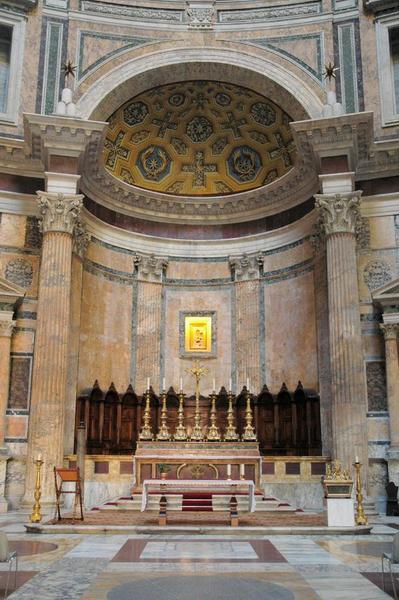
point(151, 271)
point(246, 274)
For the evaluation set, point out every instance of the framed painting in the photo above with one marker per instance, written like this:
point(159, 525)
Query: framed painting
point(197, 334)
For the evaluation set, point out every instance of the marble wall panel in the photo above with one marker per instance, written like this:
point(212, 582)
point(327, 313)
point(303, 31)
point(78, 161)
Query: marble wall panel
point(17, 427)
point(113, 259)
point(198, 270)
point(291, 348)
point(23, 341)
point(12, 230)
point(376, 386)
point(287, 256)
point(373, 344)
point(15, 480)
point(105, 336)
point(375, 269)
point(378, 428)
point(382, 232)
point(219, 299)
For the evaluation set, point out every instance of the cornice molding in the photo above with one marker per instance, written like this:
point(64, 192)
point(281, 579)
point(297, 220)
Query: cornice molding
point(146, 244)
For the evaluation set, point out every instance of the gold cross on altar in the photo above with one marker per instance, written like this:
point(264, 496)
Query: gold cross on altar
point(198, 371)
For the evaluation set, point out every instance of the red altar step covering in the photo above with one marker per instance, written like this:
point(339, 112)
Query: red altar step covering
point(197, 501)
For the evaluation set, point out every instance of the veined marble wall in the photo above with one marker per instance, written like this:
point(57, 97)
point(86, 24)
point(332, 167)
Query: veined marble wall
point(266, 326)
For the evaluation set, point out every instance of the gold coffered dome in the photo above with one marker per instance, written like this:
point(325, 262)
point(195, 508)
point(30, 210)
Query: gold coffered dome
point(199, 138)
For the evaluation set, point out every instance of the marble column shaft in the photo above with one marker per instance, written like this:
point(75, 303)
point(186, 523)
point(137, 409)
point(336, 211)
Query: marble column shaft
point(392, 369)
point(339, 214)
point(6, 328)
point(47, 414)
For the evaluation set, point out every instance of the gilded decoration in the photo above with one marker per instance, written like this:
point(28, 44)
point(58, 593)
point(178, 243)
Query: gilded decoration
point(199, 138)
point(197, 334)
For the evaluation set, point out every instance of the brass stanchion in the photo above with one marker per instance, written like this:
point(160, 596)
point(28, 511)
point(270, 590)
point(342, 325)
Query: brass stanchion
point(180, 433)
point(231, 434)
point(249, 434)
point(146, 433)
point(36, 515)
point(361, 518)
point(213, 432)
point(163, 434)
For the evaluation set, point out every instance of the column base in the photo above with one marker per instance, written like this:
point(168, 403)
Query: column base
point(393, 464)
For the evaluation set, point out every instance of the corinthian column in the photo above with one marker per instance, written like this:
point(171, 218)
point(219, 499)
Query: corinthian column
point(59, 214)
point(339, 214)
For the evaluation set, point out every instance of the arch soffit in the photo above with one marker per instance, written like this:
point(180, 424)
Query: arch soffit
point(275, 77)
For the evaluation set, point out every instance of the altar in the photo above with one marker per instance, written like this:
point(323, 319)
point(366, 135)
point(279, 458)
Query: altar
point(212, 461)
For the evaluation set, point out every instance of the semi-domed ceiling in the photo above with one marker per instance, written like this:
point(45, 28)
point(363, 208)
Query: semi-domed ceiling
point(199, 138)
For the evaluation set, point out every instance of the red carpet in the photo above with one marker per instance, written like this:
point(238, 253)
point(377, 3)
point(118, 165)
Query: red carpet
point(197, 501)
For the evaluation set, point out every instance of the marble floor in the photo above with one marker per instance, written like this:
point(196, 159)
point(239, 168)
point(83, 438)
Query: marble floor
point(183, 567)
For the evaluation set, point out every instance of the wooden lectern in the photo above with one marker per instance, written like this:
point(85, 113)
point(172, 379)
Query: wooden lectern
point(62, 476)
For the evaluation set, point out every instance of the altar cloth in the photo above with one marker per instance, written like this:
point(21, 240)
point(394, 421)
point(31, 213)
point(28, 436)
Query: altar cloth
point(232, 486)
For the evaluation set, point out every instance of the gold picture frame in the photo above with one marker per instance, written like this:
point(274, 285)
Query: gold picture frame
point(197, 334)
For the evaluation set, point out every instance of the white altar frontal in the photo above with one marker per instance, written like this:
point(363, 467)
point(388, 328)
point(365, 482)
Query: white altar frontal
point(197, 461)
point(230, 486)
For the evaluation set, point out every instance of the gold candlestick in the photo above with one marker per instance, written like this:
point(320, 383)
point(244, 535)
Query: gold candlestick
point(361, 518)
point(36, 515)
point(180, 433)
point(163, 434)
point(146, 433)
point(213, 433)
point(231, 434)
point(197, 435)
point(249, 434)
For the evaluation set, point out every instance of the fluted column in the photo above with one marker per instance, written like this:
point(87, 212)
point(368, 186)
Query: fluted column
point(392, 369)
point(339, 215)
point(59, 214)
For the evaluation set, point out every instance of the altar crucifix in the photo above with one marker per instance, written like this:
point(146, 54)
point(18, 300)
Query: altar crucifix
point(197, 371)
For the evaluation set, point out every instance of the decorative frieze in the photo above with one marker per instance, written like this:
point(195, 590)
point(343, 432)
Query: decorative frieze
point(339, 212)
point(245, 267)
point(133, 12)
point(151, 268)
point(256, 15)
point(59, 212)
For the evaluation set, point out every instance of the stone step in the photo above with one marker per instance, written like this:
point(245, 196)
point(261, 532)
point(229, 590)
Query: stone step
point(220, 502)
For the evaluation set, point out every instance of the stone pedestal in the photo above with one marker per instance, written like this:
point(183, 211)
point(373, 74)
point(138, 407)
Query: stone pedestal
point(59, 213)
point(340, 512)
point(339, 214)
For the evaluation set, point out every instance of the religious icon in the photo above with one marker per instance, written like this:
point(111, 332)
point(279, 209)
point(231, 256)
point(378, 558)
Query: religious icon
point(198, 334)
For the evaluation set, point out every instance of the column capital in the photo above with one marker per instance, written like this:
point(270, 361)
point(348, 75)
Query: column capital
point(151, 268)
point(245, 267)
point(6, 326)
point(338, 213)
point(59, 212)
point(81, 239)
point(390, 330)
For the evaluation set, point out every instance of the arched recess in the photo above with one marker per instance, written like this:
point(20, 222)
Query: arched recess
point(261, 70)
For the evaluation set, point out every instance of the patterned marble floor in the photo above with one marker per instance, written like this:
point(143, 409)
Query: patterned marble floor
point(147, 567)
